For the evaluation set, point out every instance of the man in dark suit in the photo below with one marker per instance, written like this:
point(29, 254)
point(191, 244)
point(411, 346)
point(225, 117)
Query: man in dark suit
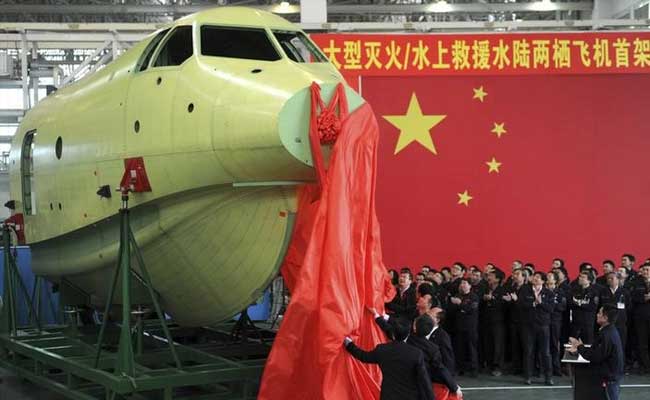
point(606, 354)
point(583, 300)
point(493, 332)
point(405, 376)
point(423, 327)
point(620, 298)
point(441, 338)
point(404, 303)
point(465, 307)
point(537, 304)
point(516, 329)
point(641, 299)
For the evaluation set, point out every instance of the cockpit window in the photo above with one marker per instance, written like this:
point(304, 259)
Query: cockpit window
point(298, 47)
point(148, 52)
point(177, 48)
point(247, 43)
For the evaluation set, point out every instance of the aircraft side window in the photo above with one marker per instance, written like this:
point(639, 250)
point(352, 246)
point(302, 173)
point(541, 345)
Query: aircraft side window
point(298, 47)
point(143, 63)
point(177, 48)
point(27, 173)
point(235, 42)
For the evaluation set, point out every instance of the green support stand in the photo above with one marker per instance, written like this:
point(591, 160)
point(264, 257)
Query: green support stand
point(125, 363)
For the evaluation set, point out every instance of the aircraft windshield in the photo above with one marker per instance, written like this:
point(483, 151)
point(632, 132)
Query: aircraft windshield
point(234, 42)
point(298, 47)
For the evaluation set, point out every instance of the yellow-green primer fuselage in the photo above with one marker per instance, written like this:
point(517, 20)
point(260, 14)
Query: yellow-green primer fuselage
point(222, 139)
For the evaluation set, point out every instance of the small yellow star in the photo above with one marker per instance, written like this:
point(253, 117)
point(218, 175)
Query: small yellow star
point(479, 94)
point(464, 198)
point(414, 126)
point(494, 165)
point(499, 129)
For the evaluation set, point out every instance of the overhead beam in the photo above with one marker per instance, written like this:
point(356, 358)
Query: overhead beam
point(175, 9)
point(91, 40)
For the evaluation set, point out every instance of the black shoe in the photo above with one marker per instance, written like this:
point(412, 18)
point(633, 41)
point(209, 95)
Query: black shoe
point(528, 381)
point(549, 382)
point(496, 373)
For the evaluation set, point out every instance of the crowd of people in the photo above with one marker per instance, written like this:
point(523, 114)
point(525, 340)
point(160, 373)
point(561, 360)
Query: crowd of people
point(474, 312)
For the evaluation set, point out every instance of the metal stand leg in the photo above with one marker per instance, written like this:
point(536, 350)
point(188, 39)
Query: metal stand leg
point(125, 356)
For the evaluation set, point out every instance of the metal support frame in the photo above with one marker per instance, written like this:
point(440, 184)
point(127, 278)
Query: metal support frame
point(13, 282)
point(104, 364)
point(86, 62)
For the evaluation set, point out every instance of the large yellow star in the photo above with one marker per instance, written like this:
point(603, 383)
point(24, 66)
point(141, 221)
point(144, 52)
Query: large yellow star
point(479, 94)
point(464, 198)
point(494, 165)
point(499, 129)
point(414, 126)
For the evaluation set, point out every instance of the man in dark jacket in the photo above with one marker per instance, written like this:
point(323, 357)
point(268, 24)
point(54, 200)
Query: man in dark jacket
point(441, 338)
point(494, 330)
point(606, 354)
point(403, 305)
point(516, 330)
point(537, 305)
point(465, 308)
point(583, 301)
point(405, 376)
point(641, 299)
point(618, 297)
point(422, 330)
point(557, 317)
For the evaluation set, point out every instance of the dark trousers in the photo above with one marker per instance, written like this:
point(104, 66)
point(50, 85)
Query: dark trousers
point(622, 332)
point(466, 349)
point(538, 343)
point(583, 331)
point(612, 390)
point(493, 344)
point(643, 335)
point(517, 346)
point(556, 346)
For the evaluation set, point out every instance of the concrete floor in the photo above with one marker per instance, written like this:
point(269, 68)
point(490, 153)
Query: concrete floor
point(482, 388)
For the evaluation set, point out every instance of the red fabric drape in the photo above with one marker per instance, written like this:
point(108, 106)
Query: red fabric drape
point(334, 270)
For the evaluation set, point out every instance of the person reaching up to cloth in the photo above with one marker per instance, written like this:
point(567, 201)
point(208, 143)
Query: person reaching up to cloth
point(405, 376)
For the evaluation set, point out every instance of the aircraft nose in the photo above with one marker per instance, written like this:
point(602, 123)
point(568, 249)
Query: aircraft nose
point(293, 120)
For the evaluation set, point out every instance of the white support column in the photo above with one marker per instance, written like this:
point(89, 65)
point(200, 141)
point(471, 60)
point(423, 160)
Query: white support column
point(116, 45)
point(313, 11)
point(34, 78)
point(23, 70)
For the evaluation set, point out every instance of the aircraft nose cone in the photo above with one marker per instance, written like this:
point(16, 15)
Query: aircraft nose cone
point(293, 121)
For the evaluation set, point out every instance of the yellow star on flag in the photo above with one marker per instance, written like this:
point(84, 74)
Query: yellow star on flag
point(464, 198)
point(479, 94)
point(494, 165)
point(499, 129)
point(414, 126)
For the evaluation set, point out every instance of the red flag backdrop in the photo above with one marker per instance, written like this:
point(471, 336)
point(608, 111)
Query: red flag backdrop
point(481, 163)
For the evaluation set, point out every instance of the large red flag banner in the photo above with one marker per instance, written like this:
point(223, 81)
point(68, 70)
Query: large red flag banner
point(529, 146)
